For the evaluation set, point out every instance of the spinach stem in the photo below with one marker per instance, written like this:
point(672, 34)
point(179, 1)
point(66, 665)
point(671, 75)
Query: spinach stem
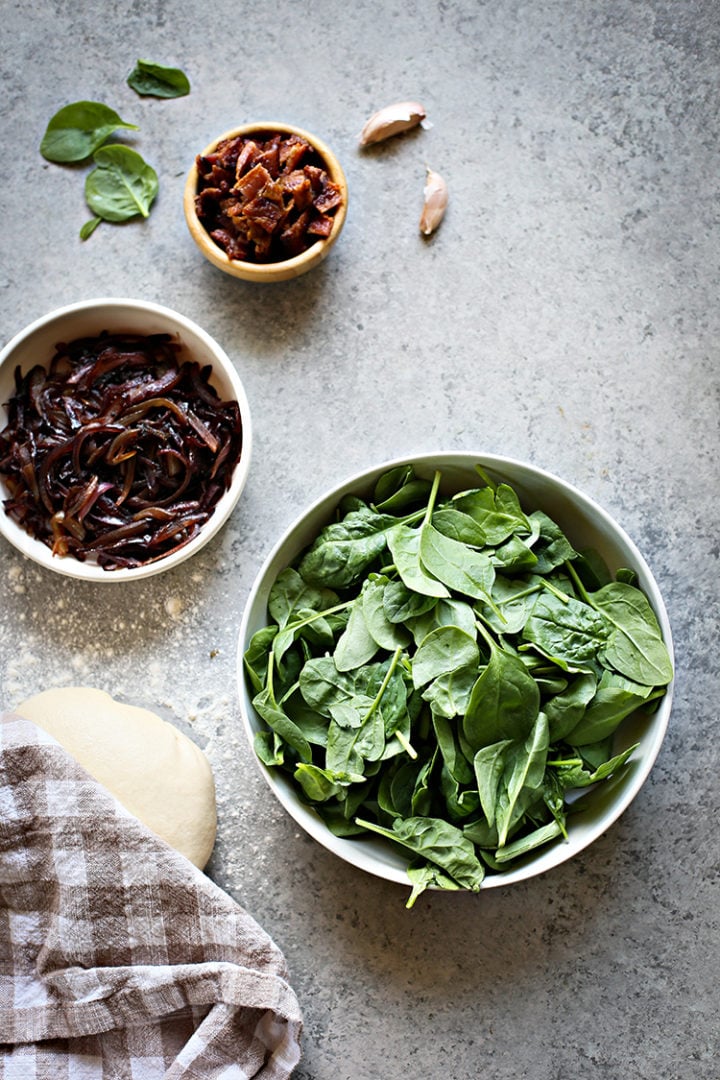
point(432, 498)
point(555, 591)
point(520, 595)
point(486, 635)
point(270, 669)
point(565, 761)
point(578, 583)
point(407, 747)
point(316, 615)
point(384, 684)
point(484, 476)
point(295, 686)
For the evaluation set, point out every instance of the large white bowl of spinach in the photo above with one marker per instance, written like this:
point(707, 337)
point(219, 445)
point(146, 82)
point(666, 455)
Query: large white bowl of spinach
point(455, 671)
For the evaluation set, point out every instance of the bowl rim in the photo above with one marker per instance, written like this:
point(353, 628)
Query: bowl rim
point(360, 855)
point(35, 549)
point(283, 268)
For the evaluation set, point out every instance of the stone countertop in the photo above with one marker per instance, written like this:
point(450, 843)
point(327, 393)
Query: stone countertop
point(565, 313)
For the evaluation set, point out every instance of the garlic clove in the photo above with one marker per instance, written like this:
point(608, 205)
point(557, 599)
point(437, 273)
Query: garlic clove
point(435, 193)
point(391, 120)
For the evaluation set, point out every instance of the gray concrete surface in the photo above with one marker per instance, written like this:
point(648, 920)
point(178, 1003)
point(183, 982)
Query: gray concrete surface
point(565, 313)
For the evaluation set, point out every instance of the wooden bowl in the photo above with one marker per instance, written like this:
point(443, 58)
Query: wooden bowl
point(279, 270)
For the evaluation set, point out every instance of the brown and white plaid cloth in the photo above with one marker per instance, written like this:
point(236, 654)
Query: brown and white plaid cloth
point(119, 960)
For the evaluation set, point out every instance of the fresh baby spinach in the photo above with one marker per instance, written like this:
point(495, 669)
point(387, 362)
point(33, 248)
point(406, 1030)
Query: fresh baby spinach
point(76, 131)
point(121, 186)
point(441, 670)
point(157, 80)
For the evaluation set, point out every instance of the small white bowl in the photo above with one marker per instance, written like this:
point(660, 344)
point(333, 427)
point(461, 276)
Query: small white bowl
point(586, 525)
point(36, 344)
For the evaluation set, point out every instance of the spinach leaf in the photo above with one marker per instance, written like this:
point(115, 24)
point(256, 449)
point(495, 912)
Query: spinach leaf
point(514, 557)
point(425, 876)
point(345, 549)
point(398, 489)
point(510, 775)
point(277, 719)
point(318, 784)
point(157, 80)
point(455, 564)
point(76, 131)
point(290, 593)
point(121, 186)
point(356, 734)
point(322, 685)
point(512, 602)
point(456, 763)
point(552, 547)
point(356, 645)
point(386, 632)
point(567, 631)
point(529, 842)
point(404, 544)
point(635, 647)
point(446, 612)
point(255, 658)
point(504, 702)
point(573, 775)
point(401, 604)
point(497, 512)
point(449, 693)
point(442, 651)
point(565, 710)
point(615, 699)
point(440, 843)
point(455, 524)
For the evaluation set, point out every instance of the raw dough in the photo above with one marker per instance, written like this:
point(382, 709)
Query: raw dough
point(155, 771)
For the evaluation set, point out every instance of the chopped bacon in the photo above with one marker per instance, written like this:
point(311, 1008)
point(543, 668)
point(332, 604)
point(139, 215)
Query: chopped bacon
point(292, 237)
point(265, 198)
point(297, 185)
point(329, 198)
point(252, 183)
point(292, 151)
point(320, 226)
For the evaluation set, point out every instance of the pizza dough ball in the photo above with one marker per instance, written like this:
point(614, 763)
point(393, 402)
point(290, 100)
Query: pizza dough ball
point(155, 771)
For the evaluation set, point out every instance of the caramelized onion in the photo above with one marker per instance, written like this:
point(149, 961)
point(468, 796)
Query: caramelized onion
point(119, 451)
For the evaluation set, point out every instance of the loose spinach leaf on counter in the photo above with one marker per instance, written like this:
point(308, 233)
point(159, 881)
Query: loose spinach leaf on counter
point(77, 130)
point(442, 670)
point(157, 80)
point(121, 186)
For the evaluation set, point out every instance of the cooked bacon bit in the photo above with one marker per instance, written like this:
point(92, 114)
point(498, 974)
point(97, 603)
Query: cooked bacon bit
point(251, 184)
point(246, 158)
point(265, 198)
point(292, 151)
point(297, 185)
point(320, 226)
point(292, 238)
point(329, 198)
point(265, 212)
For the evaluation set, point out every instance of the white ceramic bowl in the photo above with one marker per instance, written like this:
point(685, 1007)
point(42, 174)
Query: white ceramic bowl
point(586, 525)
point(36, 344)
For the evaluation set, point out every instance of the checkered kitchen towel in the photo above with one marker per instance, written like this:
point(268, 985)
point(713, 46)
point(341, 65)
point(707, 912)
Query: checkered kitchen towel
point(119, 960)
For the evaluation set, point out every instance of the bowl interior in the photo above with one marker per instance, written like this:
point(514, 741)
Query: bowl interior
point(271, 271)
point(36, 344)
point(587, 525)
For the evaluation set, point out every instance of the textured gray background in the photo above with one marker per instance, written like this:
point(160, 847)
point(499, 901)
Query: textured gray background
point(566, 313)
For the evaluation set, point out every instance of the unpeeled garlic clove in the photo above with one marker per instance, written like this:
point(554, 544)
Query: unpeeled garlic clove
point(391, 120)
point(436, 199)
